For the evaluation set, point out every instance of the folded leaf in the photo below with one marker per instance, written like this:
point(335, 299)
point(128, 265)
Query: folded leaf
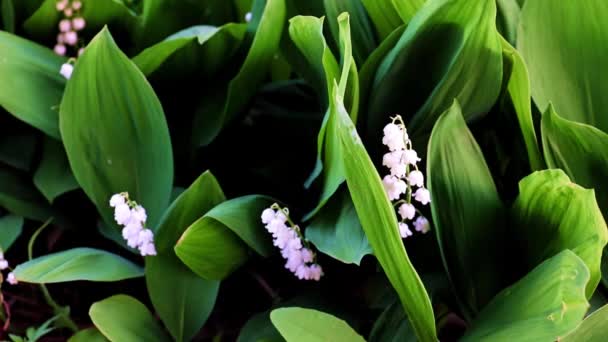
point(363, 37)
point(384, 16)
point(77, 264)
point(593, 328)
point(54, 176)
point(307, 325)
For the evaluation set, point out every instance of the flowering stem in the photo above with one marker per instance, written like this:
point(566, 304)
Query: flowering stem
point(63, 316)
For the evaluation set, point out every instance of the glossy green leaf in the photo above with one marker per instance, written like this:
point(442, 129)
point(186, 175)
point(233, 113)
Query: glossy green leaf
point(19, 196)
point(518, 88)
point(267, 23)
point(552, 214)
point(121, 318)
point(384, 16)
point(593, 329)
point(336, 231)
point(563, 44)
point(185, 49)
point(184, 303)
point(379, 222)
point(467, 212)
point(307, 325)
point(114, 131)
point(77, 264)
point(450, 49)
point(362, 33)
point(392, 326)
point(543, 306)
point(30, 83)
point(88, 335)
point(54, 176)
point(407, 9)
point(10, 229)
point(217, 243)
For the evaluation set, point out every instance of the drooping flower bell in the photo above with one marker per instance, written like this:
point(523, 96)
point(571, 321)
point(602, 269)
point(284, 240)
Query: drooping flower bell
point(402, 161)
point(133, 217)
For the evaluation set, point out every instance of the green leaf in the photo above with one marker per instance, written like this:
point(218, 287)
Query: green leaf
point(10, 229)
point(384, 16)
point(379, 222)
point(7, 9)
point(18, 147)
point(593, 328)
point(407, 9)
point(77, 264)
point(308, 325)
point(552, 214)
point(185, 49)
point(450, 49)
point(88, 335)
point(114, 131)
point(563, 44)
point(121, 318)
point(336, 231)
point(216, 244)
point(518, 89)
point(543, 306)
point(19, 196)
point(392, 326)
point(184, 303)
point(30, 84)
point(507, 19)
point(259, 328)
point(54, 176)
point(468, 214)
point(363, 37)
point(267, 23)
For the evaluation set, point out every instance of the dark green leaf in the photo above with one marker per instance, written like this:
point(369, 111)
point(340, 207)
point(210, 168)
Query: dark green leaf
point(54, 176)
point(19, 196)
point(543, 306)
point(363, 37)
point(392, 326)
point(77, 264)
point(7, 8)
point(307, 325)
point(114, 131)
point(507, 19)
point(10, 229)
point(259, 328)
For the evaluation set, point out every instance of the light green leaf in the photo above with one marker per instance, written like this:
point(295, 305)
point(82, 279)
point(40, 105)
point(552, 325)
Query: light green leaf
point(468, 214)
point(507, 19)
point(185, 49)
point(384, 16)
point(450, 49)
point(563, 44)
point(77, 264)
point(88, 335)
point(30, 83)
point(54, 176)
point(407, 9)
point(593, 328)
point(308, 325)
point(19, 196)
point(552, 214)
point(184, 303)
point(518, 89)
point(216, 244)
point(10, 229)
point(114, 131)
point(363, 36)
point(267, 23)
point(543, 306)
point(121, 318)
point(379, 222)
point(336, 231)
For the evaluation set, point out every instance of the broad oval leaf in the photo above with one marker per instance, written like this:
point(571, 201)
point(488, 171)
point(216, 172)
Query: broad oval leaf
point(88, 335)
point(593, 329)
point(379, 223)
point(468, 214)
point(54, 176)
point(450, 49)
point(30, 83)
point(544, 305)
point(217, 243)
point(184, 303)
point(114, 131)
point(563, 44)
point(122, 318)
point(308, 325)
point(77, 264)
point(552, 214)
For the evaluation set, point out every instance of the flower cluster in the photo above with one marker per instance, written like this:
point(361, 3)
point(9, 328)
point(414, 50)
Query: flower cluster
point(404, 175)
point(69, 25)
point(133, 217)
point(10, 278)
point(301, 260)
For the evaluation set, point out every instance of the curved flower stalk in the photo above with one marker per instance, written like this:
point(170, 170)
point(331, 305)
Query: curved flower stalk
point(301, 260)
point(69, 26)
point(404, 176)
point(133, 217)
